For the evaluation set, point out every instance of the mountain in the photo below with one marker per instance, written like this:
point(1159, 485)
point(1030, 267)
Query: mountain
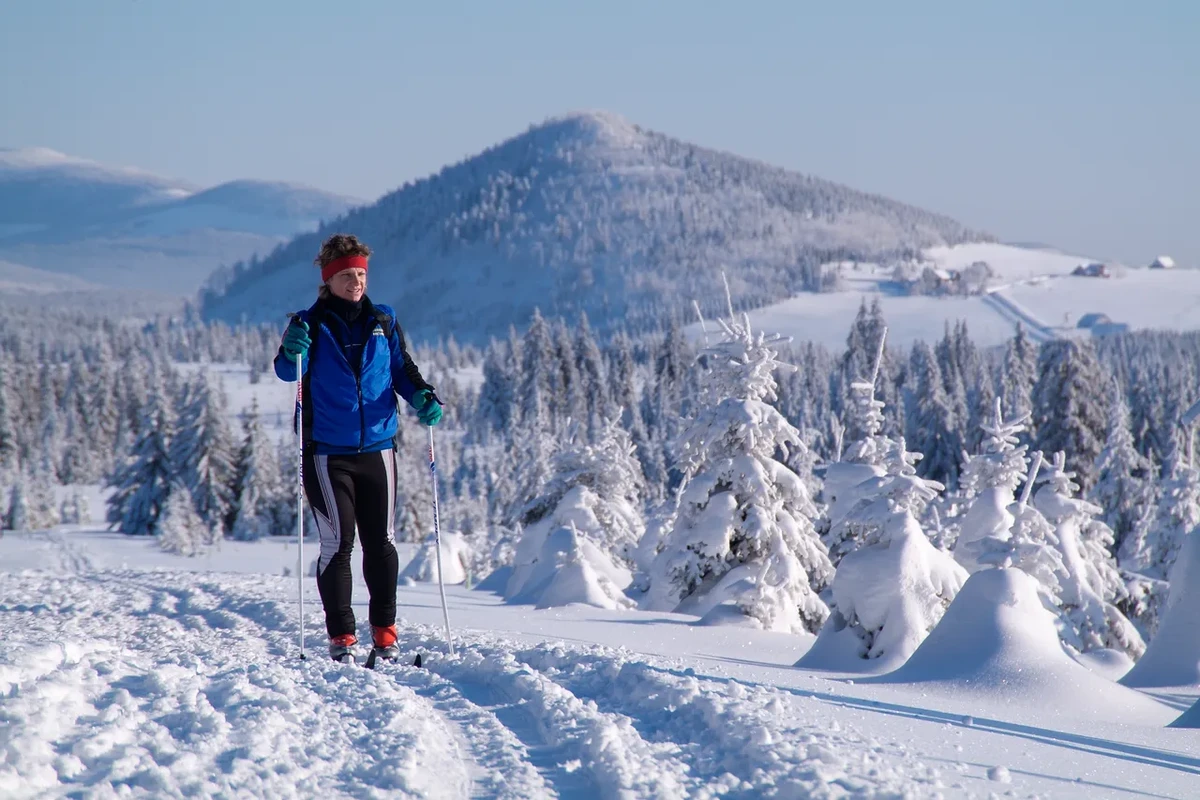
point(588, 213)
point(124, 228)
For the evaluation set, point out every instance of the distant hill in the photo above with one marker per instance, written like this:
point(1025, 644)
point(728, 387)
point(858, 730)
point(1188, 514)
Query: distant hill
point(123, 228)
point(588, 212)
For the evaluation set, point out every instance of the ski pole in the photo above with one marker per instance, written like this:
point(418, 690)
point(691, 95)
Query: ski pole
point(437, 540)
point(297, 426)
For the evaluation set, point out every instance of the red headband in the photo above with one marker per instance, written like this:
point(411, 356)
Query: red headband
point(339, 264)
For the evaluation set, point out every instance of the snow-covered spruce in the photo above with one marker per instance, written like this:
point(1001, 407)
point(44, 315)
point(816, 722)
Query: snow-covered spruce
point(743, 547)
point(989, 480)
point(202, 452)
point(179, 528)
point(586, 523)
point(1173, 655)
point(257, 486)
point(846, 481)
point(1152, 549)
point(1124, 482)
point(891, 591)
point(143, 482)
point(1089, 582)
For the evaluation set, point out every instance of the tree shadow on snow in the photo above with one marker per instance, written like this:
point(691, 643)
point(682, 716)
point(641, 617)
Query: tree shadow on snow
point(1138, 754)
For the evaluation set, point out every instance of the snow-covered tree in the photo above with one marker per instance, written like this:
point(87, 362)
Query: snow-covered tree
point(143, 482)
point(892, 590)
point(1069, 412)
point(1152, 549)
point(933, 429)
point(597, 486)
point(743, 543)
point(203, 454)
point(1019, 375)
point(8, 435)
point(257, 488)
point(179, 528)
point(989, 480)
point(1030, 545)
point(1090, 585)
point(1123, 475)
point(75, 509)
point(16, 516)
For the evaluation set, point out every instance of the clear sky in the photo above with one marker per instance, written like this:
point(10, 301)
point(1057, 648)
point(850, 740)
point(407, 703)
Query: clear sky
point(1066, 122)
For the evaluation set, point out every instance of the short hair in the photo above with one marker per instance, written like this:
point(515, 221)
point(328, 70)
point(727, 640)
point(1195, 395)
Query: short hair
point(339, 245)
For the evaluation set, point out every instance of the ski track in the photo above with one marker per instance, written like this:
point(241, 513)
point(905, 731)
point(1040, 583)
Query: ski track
point(1008, 308)
point(168, 684)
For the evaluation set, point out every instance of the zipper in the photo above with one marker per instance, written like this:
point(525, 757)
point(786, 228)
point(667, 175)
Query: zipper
point(362, 415)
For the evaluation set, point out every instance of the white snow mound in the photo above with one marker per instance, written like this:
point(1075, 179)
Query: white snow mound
point(568, 568)
point(1173, 656)
point(998, 641)
point(423, 567)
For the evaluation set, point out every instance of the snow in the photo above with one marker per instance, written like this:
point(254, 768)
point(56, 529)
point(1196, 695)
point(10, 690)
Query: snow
point(1032, 287)
point(128, 670)
point(1173, 656)
point(423, 567)
point(997, 641)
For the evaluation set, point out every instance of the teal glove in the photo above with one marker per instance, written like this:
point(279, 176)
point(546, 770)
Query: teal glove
point(295, 339)
point(428, 406)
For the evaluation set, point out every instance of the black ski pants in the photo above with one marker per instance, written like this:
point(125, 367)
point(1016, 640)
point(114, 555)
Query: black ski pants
point(345, 492)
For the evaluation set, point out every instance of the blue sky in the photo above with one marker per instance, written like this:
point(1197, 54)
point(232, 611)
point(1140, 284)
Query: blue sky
point(1065, 122)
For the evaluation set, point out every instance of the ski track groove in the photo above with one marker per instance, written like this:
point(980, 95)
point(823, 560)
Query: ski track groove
point(742, 740)
point(167, 686)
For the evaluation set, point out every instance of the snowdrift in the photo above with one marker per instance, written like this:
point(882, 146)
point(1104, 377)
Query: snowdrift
point(997, 641)
point(423, 567)
point(566, 568)
point(1173, 657)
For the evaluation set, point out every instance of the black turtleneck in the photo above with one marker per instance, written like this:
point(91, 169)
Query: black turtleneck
point(345, 309)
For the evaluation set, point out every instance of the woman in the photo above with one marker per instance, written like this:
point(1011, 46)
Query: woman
point(354, 362)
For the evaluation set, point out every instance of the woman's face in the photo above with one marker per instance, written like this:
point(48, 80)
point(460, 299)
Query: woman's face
point(349, 284)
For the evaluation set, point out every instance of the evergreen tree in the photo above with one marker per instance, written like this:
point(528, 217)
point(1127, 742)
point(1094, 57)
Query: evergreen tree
point(592, 377)
point(1123, 475)
point(202, 453)
point(1018, 377)
point(179, 528)
point(17, 517)
point(743, 540)
point(1089, 582)
point(143, 482)
point(8, 436)
point(933, 429)
point(989, 481)
point(257, 487)
point(1068, 407)
point(570, 405)
point(1152, 549)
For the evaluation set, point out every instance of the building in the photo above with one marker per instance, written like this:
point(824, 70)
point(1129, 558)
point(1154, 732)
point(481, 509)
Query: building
point(1101, 324)
point(1163, 262)
point(1094, 270)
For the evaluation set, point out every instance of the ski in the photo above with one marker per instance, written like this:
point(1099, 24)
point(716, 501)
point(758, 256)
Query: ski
point(374, 655)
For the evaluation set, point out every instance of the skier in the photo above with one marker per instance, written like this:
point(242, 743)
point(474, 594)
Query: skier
point(354, 361)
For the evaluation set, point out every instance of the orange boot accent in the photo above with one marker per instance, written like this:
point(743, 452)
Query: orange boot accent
point(345, 640)
point(384, 637)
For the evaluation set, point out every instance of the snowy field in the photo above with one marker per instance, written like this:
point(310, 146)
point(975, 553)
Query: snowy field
point(128, 672)
point(1033, 287)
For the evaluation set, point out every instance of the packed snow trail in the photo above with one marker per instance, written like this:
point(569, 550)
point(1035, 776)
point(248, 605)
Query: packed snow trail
point(1008, 308)
point(174, 684)
point(167, 683)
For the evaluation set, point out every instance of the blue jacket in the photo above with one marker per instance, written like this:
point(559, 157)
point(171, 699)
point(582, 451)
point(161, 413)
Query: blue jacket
point(352, 374)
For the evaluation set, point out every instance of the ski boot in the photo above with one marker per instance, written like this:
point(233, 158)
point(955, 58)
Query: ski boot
point(384, 640)
point(341, 648)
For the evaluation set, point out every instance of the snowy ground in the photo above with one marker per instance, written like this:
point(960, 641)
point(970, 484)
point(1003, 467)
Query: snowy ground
point(1032, 287)
point(129, 671)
